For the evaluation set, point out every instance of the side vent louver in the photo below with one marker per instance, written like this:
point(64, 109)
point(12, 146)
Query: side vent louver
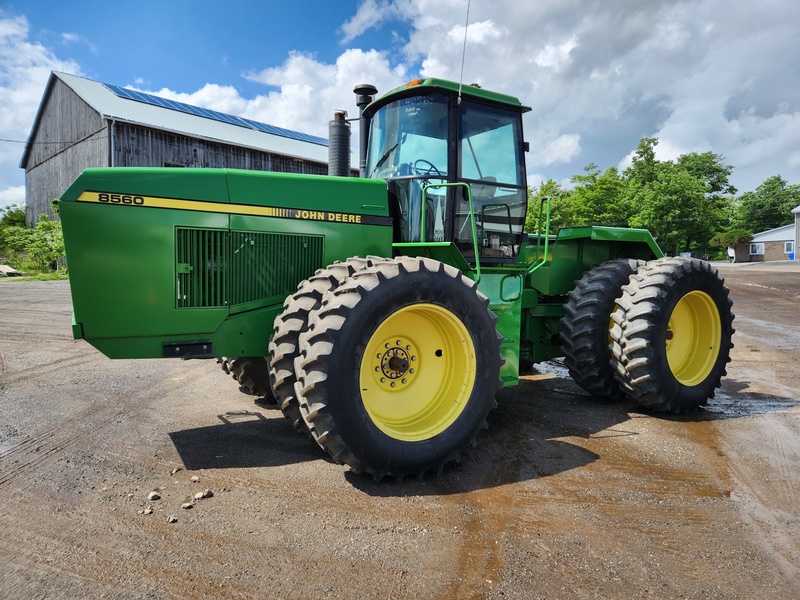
point(220, 268)
point(202, 268)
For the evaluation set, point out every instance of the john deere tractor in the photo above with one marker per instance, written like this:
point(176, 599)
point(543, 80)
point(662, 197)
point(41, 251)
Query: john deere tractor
point(384, 311)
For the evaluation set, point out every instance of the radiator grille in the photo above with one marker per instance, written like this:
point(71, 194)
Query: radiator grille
point(220, 268)
point(265, 265)
point(202, 257)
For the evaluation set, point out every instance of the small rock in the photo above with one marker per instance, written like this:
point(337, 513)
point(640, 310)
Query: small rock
point(147, 511)
point(153, 496)
point(194, 479)
point(175, 470)
point(204, 494)
point(172, 519)
point(187, 505)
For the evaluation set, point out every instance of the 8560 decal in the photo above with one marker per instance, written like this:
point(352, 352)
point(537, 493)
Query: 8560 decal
point(120, 199)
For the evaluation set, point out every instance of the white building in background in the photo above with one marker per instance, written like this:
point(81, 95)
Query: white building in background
point(776, 244)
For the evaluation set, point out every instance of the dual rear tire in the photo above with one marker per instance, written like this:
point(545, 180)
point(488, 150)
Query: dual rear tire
point(658, 333)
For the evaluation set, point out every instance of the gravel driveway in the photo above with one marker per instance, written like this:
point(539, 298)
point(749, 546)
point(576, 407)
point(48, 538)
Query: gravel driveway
point(564, 497)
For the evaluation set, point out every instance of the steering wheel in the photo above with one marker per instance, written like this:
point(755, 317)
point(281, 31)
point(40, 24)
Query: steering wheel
point(427, 168)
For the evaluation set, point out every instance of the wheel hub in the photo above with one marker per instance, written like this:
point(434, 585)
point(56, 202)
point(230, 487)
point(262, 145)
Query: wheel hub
point(393, 364)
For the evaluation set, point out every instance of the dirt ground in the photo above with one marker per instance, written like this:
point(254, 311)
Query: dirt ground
point(564, 497)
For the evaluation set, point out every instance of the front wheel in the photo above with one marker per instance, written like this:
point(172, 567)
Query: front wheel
point(400, 369)
point(252, 373)
point(672, 334)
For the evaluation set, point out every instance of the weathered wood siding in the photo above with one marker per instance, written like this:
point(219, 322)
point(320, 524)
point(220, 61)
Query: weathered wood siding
point(52, 177)
point(66, 120)
point(70, 137)
point(136, 146)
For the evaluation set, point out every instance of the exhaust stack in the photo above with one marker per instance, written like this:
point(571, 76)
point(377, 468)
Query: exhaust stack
point(365, 93)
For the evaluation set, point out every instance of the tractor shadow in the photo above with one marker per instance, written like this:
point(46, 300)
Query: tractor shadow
point(524, 441)
point(243, 439)
point(530, 436)
point(528, 433)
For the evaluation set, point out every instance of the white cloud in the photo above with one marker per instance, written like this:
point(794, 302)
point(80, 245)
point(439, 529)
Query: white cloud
point(24, 69)
point(702, 77)
point(12, 195)
point(482, 33)
point(705, 76)
point(563, 149)
point(370, 14)
point(306, 92)
point(555, 56)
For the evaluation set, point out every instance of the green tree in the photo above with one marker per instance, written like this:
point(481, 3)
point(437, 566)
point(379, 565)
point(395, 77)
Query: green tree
point(46, 244)
point(12, 216)
point(730, 238)
point(599, 199)
point(684, 203)
point(768, 207)
point(673, 208)
point(561, 209)
point(644, 166)
point(708, 167)
point(642, 173)
point(29, 249)
point(13, 236)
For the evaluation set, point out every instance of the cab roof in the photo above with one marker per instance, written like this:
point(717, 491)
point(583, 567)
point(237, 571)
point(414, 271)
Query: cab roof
point(431, 85)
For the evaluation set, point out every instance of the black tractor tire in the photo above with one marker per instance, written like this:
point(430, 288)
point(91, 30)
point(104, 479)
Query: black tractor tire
point(586, 324)
point(672, 334)
point(251, 372)
point(399, 369)
point(284, 346)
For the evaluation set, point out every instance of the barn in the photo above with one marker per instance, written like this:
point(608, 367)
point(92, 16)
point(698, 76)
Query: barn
point(83, 123)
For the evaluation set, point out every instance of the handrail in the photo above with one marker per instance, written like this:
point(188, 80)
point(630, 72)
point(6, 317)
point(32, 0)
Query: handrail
point(541, 260)
point(471, 218)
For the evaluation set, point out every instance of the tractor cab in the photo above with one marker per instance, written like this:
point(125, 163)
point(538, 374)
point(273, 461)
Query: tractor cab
point(459, 153)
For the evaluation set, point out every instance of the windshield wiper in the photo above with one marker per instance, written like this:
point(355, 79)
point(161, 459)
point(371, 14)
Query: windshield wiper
point(382, 159)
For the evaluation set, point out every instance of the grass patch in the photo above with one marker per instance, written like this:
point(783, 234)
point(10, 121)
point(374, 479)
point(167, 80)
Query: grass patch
point(41, 277)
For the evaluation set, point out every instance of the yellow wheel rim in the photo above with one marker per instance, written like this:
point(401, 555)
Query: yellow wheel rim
point(417, 372)
point(694, 337)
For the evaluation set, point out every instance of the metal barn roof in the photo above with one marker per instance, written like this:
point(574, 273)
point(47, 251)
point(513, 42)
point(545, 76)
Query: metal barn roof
point(120, 104)
point(779, 234)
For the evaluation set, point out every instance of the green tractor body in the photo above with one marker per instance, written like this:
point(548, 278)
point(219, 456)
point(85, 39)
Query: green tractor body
point(389, 361)
point(195, 262)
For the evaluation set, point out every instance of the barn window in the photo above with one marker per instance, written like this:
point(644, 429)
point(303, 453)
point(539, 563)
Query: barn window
point(757, 248)
point(788, 247)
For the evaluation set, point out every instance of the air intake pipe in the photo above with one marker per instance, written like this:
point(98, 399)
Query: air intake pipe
point(339, 145)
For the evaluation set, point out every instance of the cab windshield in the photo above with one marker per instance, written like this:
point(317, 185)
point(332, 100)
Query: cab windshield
point(409, 137)
point(418, 142)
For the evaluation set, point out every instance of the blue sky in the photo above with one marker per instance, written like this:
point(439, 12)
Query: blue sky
point(184, 44)
point(702, 75)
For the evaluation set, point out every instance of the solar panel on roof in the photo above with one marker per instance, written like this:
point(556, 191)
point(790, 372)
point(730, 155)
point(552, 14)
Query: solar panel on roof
point(129, 94)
